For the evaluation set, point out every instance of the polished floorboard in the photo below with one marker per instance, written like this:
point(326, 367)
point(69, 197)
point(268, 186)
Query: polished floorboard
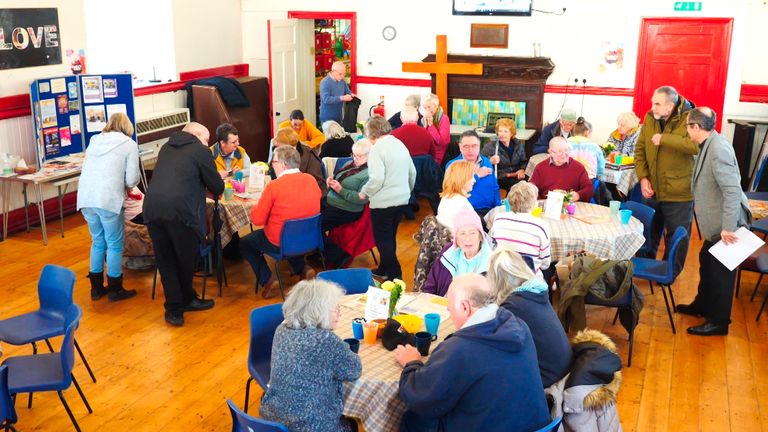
point(152, 376)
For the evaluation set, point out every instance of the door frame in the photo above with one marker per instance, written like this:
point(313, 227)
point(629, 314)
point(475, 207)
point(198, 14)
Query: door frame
point(642, 53)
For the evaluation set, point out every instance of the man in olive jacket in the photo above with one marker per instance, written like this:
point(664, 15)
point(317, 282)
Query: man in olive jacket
point(722, 209)
point(664, 164)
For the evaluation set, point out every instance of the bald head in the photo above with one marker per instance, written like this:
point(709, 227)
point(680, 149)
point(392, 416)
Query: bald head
point(199, 131)
point(338, 70)
point(558, 150)
point(472, 287)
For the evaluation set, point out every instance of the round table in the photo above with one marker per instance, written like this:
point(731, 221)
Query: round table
point(607, 237)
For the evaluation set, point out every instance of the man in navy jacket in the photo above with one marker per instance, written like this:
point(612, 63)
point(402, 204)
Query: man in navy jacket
point(483, 377)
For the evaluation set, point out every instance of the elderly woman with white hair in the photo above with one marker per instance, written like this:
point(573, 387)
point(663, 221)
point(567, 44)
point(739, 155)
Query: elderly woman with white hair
point(521, 292)
point(310, 363)
point(625, 135)
point(437, 123)
point(411, 106)
point(337, 143)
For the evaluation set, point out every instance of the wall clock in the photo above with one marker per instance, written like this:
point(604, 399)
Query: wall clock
point(388, 33)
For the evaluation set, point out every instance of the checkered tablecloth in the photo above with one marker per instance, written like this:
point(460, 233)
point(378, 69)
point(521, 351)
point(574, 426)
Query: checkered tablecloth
point(234, 214)
point(624, 180)
point(533, 161)
point(374, 397)
point(610, 240)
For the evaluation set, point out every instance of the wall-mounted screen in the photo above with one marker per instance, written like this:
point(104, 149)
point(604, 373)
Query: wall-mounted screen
point(492, 7)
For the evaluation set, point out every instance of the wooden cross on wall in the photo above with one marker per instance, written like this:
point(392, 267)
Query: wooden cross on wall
point(441, 68)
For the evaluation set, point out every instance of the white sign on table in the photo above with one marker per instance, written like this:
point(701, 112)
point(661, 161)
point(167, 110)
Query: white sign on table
point(377, 304)
point(553, 207)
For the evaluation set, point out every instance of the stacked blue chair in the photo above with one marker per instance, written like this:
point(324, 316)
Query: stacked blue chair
point(242, 422)
point(264, 322)
point(298, 238)
point(7, 410)
point(49, 372)
point(54, 291)
point(353, 280)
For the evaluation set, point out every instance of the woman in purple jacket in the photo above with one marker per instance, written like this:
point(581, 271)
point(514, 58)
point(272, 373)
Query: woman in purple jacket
point(470, 252)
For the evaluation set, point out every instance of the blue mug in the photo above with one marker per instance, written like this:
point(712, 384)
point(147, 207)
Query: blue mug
point(357, 327)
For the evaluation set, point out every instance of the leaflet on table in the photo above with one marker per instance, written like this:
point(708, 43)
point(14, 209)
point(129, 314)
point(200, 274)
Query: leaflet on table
point(377, 304)
point(553, 207)
point(424, 304)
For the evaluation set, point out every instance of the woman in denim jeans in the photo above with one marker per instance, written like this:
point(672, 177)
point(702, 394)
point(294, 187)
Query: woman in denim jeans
point(111, 167)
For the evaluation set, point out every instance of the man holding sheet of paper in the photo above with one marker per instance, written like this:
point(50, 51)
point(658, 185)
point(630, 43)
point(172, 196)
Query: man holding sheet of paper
point(721, 208)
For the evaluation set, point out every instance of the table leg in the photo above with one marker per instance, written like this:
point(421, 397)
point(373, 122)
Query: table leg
point(143, 174)
point(6, 192)
point(61, 208)
point(41, 210)
point(26, 205)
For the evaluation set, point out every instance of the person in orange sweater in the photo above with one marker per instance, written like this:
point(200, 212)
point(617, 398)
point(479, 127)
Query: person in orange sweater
point(278, 203)
point(309, 135)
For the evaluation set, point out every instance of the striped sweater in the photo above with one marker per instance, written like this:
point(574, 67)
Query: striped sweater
point(525, 234)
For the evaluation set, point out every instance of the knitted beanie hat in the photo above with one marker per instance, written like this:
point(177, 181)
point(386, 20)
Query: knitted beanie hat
point(466, 218)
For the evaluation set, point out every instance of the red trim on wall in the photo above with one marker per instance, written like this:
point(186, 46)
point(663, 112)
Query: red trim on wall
point(232, 71)
point(754, 93)
point(589, 90)
point(51, 205)
point(14, 106)
point(406, 82)
point(159, 88)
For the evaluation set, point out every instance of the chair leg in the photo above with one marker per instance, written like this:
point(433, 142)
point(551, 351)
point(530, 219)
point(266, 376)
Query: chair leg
point(247, 393)
point(669, 311)
point(69, 411)
point(757, 285)
point(279, 279)
point(616, 317)
point(650, 284)
point(154, 282)
point(672, 298)
point(50, 347)
point(322, 260)
point(375, 261)
point(34, 351)
point(85, 362)
point(738, 282)
point(631, 340)
point(765, 300)
point(206, 265)
point(82, 395)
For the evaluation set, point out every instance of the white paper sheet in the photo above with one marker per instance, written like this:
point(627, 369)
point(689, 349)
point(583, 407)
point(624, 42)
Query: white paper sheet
point(553, 207)
point(377, 304)
point(734, 254)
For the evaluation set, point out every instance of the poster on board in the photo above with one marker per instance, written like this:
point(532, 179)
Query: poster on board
point(92, 90)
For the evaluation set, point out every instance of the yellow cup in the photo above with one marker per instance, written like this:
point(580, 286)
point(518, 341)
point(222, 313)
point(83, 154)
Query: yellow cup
point(369, 332)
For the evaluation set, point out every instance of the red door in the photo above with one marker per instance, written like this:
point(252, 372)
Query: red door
point(689, 54)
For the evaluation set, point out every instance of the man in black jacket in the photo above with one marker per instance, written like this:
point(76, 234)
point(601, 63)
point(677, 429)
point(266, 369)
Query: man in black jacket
point(174, 211)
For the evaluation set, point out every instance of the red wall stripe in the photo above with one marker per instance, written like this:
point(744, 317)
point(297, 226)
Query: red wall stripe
point(589, 90)
point(754, 93)
point(51, 205)
point(406, 82)
point(14, 106)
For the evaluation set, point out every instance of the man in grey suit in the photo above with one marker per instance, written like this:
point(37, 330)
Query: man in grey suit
point(722, 208)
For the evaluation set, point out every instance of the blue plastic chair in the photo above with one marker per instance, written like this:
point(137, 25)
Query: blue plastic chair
point(340, 162)
point(663, 272)
point(552, 426)
point(636, 194)
point(54, 291)
point(242, 422)
point(624, 302)
point(7, 410)
point(645, 215)
point(264, 322)
point(298, 238)
point(49, 372)
point(353, 280)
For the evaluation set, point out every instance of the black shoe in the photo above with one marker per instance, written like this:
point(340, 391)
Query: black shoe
point(174, 319)
point(708, 329)
point(689, 309)
point(116, 291)
point(198, 305)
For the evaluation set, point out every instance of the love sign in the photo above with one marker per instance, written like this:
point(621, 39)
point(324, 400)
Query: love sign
point(29, 37)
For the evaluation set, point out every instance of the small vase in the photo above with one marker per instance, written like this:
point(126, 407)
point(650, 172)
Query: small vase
point(571, 208)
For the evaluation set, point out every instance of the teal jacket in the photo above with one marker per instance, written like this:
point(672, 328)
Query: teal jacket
point(347, 198)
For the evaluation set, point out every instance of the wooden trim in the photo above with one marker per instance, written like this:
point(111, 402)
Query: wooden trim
point(754, 93)
point(405, 82)
point(15, 106)
point(481, 35)
point(51, 206)
point(589, 90)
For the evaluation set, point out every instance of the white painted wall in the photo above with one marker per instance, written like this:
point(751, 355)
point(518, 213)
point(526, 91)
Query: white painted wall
point(572, 40)
point(207, 33)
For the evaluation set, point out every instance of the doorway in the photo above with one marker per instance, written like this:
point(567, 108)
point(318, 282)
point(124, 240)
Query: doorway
point(689, 54)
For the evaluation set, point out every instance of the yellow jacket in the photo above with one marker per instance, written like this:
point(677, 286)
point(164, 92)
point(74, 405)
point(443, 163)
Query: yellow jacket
point(308, 134)
point(237, 161)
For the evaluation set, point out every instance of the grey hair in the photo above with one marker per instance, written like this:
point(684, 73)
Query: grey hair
point(628, 119)
point(311, 303)
point(376, 127)
point(475, 288)
point(507, 271)
point(430, 97)
point(704, 117)
point(669, 92)
point(413, 100)
point(288, 155)
point(522, 197)
point(362, 146)
point(333, 130)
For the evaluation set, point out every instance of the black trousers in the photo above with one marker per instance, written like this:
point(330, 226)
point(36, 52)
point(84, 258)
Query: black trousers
point(669, 216)
point(334, 217)
point(176, 247)
point(506, 183)
point(715, 296)
point(385, 222)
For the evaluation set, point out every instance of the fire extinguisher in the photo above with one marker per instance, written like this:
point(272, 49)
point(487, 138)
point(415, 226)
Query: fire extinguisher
point(378, 109)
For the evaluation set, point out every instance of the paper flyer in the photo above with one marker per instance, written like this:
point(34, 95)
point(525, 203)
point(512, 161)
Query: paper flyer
point(377, 304)
point(72, 90)
point(92, 92)
point(110, 87)
point(62, 104)
point(65, 137)
point(116, 108)
point(74, 124)
point(51, 140)
point(553, 207)
point(74, 105)
point(44, 87)
point(95, 118)
point(734, 254)
point(48, 112)
point(58, 85)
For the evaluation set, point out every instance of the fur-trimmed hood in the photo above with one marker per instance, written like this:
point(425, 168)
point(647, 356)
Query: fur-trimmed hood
point(596, 371)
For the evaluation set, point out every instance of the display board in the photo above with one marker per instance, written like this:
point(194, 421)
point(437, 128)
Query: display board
point(57, 117)
point(102, 96)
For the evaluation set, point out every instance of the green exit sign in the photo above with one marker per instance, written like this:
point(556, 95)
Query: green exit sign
point(688, 6)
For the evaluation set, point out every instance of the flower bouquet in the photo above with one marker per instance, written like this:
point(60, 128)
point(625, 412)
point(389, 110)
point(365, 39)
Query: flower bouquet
point(607, 149)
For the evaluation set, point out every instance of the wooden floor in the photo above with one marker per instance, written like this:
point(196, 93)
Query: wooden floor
point(153, 377)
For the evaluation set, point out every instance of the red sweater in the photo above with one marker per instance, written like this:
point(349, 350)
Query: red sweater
point(416, 139)
point(291, 196)
point(568, 177)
